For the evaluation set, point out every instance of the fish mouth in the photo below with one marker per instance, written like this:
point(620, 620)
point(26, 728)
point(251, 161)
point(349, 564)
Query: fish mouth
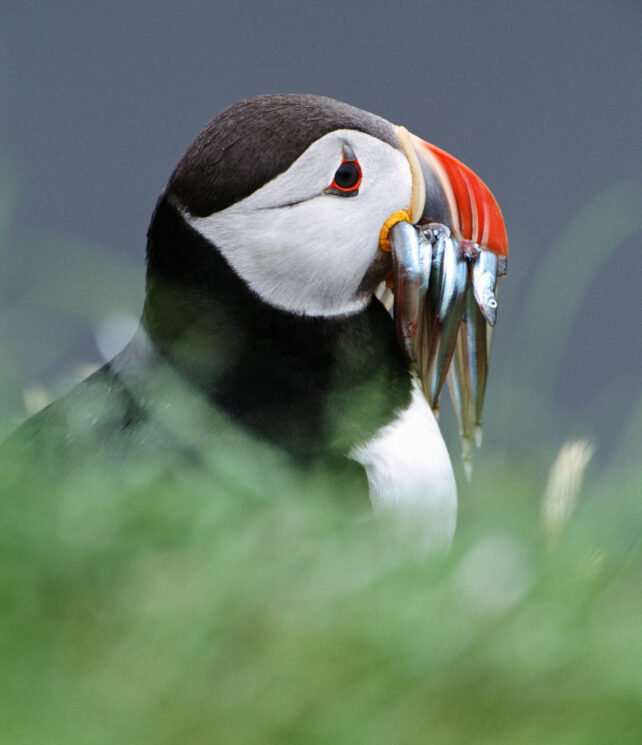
point(448, 250)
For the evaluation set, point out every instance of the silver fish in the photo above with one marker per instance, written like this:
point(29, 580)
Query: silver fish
point(412, 257)
point(460, 395)
point(484, 282)
point(474, 332)
point(446, 321)
point(444, 309)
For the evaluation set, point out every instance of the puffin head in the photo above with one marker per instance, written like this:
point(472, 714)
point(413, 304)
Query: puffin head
point(298, 192)
point(305, 206)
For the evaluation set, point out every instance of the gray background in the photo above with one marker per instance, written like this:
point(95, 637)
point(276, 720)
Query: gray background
point(99, 101)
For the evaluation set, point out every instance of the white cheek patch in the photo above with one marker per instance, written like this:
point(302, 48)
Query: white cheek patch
point(306, 251)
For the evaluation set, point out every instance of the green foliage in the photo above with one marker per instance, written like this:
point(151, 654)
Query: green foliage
point(230, 597)
point(244, 601)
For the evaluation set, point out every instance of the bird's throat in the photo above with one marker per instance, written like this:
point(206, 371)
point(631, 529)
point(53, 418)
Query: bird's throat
point(296, 380)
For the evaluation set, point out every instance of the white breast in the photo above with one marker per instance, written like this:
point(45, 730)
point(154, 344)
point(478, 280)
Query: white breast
point(409, 469)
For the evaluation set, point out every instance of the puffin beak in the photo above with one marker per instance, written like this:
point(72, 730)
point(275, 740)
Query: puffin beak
point(448, 249)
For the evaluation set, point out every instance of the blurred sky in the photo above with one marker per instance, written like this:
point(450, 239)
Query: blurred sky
point(100, 100)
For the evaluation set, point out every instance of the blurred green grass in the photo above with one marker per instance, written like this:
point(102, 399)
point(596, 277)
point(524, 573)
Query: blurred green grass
point(250, 602)
point(171, 610)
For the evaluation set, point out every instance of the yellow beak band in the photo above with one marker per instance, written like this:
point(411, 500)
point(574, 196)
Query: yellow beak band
point(400, 216)
point(418, 196)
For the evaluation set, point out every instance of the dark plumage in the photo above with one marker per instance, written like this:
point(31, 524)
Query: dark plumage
point(312, 386)
point(288, 377)
point(252, 141)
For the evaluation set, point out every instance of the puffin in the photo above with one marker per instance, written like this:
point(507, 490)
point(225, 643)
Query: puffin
point(315, 276)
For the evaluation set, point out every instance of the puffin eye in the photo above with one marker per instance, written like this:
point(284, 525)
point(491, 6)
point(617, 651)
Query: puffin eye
point(347, 177)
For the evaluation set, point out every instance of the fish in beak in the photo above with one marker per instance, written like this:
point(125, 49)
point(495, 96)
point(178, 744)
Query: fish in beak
point(448, 249)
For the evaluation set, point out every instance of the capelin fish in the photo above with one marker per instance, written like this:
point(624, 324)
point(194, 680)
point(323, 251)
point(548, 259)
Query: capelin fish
point(484, 283)
point(449, 314)
point(428, 345)
point(444, 308)
point(459, 390)
point(476, 359)
point(412, 258)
